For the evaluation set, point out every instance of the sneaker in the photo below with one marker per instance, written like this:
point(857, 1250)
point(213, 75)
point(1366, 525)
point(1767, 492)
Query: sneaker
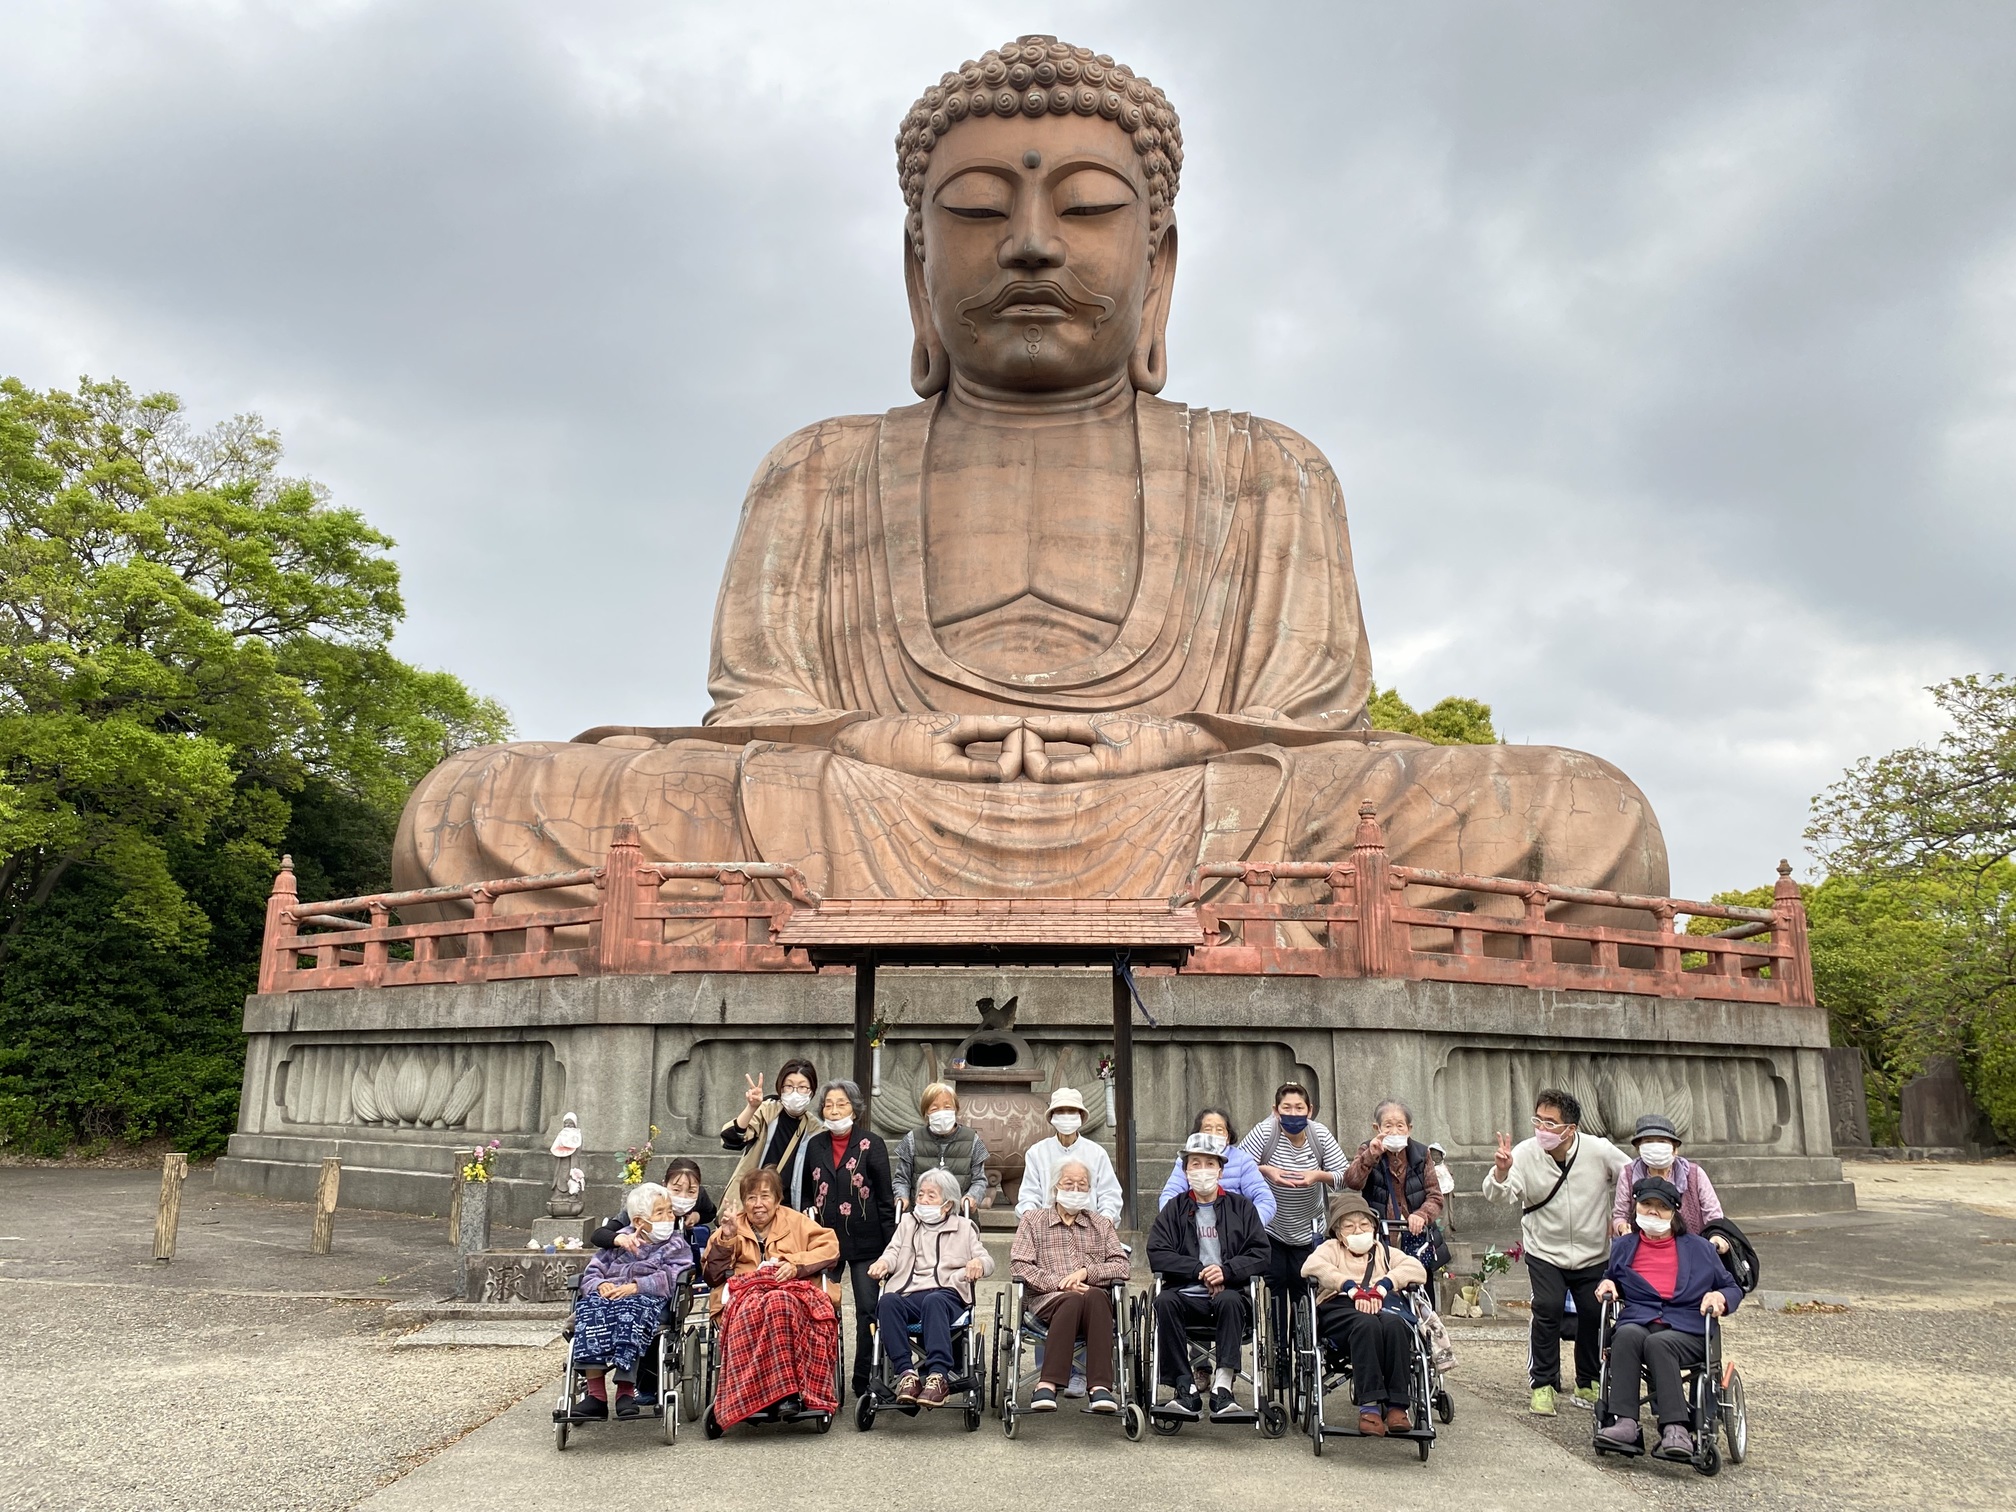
point(590, 1409)
point(1044, 1399)
point(1370, 1423)
point(1184, 1404)
point(1675, 1442)
point(1585, 1396)
point(1075, 1387)
point(1103, 1400)
point(936, 1389)
point(1543, 1401)
point(907, 1387)
point(1399, 1420)
point(1623, 1433)
point(1223, 1403)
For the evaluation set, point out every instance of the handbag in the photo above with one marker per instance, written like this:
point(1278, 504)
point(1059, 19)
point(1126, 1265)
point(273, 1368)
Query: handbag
point(1441, 1351)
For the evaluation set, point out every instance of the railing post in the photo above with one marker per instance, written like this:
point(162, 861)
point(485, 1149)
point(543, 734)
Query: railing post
point(1375, 900)
point(273, 962)
point(1790, 928)
point(617, 952)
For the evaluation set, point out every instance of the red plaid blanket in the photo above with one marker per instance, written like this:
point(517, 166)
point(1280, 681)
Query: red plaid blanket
point(777, 1338)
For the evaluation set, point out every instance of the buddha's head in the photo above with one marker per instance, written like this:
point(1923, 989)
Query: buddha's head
point(1041, 245)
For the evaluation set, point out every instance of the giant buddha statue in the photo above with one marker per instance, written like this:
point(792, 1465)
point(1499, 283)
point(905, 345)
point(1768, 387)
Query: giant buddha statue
point(1043, 632)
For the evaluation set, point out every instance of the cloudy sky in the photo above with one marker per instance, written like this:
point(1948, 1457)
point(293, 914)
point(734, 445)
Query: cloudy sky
point(1668, 354)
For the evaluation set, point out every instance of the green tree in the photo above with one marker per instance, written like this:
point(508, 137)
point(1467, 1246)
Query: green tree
point(194, 674)
point(1453, 721)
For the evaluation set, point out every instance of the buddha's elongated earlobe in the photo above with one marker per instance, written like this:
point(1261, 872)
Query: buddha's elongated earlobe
point(930, 369)
point(1148, 368)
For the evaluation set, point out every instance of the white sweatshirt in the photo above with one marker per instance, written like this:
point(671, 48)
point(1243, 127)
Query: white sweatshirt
point(1572, 1231)
point(1039, 1176)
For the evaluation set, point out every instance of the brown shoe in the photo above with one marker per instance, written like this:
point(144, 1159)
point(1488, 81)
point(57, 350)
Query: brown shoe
point(1370, 1423)
point(906, 1389)
point(935, 1392)
point(1398, 1420)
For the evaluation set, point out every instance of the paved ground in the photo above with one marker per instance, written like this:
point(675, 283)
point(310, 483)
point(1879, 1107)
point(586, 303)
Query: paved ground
point(251, 1374)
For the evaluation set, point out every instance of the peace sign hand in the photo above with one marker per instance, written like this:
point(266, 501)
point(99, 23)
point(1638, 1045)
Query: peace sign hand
point(1503, 1160)
point(754, 1091)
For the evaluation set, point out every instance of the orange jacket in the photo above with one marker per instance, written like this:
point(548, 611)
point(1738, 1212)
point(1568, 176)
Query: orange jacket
point(732, 1250)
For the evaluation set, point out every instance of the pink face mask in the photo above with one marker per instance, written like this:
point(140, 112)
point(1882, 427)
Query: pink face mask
point(1548, 1139)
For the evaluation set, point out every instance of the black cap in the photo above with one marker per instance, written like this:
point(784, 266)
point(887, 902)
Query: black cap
point(1655, 1125)
point(1657, 1187)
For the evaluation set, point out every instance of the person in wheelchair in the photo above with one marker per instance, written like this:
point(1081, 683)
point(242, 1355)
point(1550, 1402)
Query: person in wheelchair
point(779, 1328)
point(1067, 1255)
point(1667, 1283)
point(1206, 1245)
point(1361, 1309)
point(622, 1301)
point(927, 1275)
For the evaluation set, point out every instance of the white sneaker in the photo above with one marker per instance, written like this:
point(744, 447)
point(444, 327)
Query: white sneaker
point(1076, 1386)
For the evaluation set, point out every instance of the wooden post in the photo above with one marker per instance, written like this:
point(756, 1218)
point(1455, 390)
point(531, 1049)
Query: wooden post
point(324, 1232)
point(1790, 929)
point(864, 1021)
point(273, 962)
point(1375, 896)
point(174, 1169)
point(617, 941)
point(1123, 1089)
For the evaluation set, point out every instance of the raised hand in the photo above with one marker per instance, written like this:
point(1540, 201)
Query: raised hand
point(1502, 1162)
point(934, 745)
point(1120, 745)
point(753, 1093)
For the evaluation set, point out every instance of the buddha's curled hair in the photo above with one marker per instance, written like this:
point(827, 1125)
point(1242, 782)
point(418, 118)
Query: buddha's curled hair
point(1034, 76)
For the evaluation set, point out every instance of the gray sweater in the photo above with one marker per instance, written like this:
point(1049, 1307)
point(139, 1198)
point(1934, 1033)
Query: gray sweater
point(1573, 1230)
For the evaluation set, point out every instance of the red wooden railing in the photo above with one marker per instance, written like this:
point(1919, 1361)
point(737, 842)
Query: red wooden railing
point(1350, 918)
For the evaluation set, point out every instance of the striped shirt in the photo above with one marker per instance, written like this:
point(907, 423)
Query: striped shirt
point(1300, 1213)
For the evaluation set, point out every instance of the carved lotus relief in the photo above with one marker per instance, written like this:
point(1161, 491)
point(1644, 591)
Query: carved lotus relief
point(404, 1091)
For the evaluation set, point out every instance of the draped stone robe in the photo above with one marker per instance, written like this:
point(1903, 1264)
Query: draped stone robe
point(1246, 621)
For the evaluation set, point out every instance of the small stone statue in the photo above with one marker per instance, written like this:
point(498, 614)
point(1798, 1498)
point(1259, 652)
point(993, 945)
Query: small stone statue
point(566, 1199)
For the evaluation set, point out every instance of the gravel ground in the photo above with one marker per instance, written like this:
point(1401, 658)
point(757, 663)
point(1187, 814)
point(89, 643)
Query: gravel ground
point(134, 1399)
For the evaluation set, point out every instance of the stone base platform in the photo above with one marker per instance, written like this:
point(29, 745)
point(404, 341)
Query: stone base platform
point(395, 1080)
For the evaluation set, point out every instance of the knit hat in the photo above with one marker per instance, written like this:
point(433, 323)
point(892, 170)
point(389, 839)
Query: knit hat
point(1657, 1189)
point(1655, 1126)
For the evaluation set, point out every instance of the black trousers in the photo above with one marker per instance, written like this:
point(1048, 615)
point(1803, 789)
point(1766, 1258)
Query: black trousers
point(1667, 1353)
point(1551, 1284)
point(1285, 1287)
point(867, 1293)
point(1380, 1345)
point(1176, 1310)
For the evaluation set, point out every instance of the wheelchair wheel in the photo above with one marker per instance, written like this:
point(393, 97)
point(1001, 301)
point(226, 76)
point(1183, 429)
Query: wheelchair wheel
point(1273, 1420)
point(668, 1413)
point(712, 1425)
point(973, 1417)
point(560, 1436)
point(1010, 1420)
point(864, 1414)
point(1707, 1458)
point(692, 1374)
point(1134, 1422)
point(1424, 1445)
point(1445, 1405)
point(1166, 1427)
point(1735, 1420)
point(994, 1356)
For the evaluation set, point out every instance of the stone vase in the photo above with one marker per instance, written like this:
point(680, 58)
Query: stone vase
point(1000, 1105)
point(472, 1235)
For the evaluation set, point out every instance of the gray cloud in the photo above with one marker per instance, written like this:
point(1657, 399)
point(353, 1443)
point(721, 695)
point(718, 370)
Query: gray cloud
point(1668, 357)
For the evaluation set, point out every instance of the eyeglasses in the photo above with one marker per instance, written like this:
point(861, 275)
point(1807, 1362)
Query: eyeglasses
point(1550, 1125)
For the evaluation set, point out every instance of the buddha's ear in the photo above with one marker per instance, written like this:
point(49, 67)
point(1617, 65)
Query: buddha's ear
point(1148, 368)
point(930, 369)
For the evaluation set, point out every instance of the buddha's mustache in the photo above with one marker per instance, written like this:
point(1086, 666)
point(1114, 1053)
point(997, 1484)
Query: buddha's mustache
point(1058, 286)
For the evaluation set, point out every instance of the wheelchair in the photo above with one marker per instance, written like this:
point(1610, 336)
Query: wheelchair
point(1266, 1414)
point(1016, 1329)
point(668, 1387)
point(1323, 1368)
point(1714, 1395)
point(968, 1378)
point(706, 1346)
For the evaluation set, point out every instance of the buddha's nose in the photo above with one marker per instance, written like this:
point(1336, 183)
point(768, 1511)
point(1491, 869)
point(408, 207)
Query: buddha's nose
point(1032, 242)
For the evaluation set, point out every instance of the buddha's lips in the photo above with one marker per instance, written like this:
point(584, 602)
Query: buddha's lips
point(1024, 298)
point(1058, 298)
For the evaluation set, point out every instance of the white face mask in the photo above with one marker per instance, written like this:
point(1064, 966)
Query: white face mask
point(796, 1103)
point(929, 1212)
point(840, 1125)
point(1358, 1244)
point(1074, 1202)
point(1656, 1152)
point(1067, 1124)
point(682, 1204)
point(1654, 1228)
point(1204, 1184)
point(942, 1122)
point(1394, 1141)
point(664, 1230)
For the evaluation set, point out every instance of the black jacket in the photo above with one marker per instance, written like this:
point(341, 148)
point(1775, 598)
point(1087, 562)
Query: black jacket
point(861, 1185)
point(1242, 1240)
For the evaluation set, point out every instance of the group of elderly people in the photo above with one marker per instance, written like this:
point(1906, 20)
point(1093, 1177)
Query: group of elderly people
point(817, 1197)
